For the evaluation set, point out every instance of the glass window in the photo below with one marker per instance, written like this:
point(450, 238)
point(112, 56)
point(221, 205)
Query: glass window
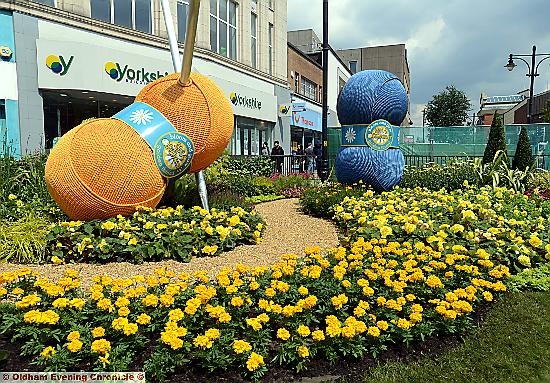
point(270, 45)
point(254, 5)
point(101, 10)
point(143, 15)
point(270, 4)
point(51, 3)
point(253, 40)
point(183, 11)
point(123, 12)
point(223, 27)
point(309, 88)
point(353, 66)
point(135, 14)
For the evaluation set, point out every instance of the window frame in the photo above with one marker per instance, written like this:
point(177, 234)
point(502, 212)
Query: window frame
point(270, 38)
point(183, 3)
point(229, 26)
point(254, 41)
point(44, 3)
point(133, 11)
point(349, 66)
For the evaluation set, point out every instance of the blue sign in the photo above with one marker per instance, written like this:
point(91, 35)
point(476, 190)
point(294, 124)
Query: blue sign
point(379, 135)
point(173, 151)
point(307, 119)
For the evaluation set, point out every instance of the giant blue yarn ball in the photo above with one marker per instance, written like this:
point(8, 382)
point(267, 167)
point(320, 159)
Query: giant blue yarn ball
point(382, 170)
point(370, 95)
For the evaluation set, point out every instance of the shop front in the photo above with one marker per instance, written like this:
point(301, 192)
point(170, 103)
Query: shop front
point(97, 76)
point(305, 125)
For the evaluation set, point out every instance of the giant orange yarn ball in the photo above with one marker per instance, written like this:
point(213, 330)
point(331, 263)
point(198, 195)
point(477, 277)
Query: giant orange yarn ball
point(103, 168)
point(199, 110)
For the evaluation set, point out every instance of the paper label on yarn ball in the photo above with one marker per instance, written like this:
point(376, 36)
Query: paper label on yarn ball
point(172, 150)
point(380, 135)
point(173, 154)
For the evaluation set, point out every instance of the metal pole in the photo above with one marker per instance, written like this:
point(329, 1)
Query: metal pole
point(532, 75)
point(323, 168)
point(179, 66)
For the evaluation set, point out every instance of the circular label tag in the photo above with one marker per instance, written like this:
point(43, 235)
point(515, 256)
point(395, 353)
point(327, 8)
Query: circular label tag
point(379, 135)
point(173, 154)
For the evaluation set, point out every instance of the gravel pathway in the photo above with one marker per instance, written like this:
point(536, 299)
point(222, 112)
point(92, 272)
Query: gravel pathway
point(288, 230)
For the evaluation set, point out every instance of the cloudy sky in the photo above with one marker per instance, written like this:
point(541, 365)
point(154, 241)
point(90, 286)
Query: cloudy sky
point(460, 42)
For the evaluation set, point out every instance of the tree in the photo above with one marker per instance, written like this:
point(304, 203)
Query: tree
point(523, 157)
point(546, 112)
point(448, 108)
point(496, 140)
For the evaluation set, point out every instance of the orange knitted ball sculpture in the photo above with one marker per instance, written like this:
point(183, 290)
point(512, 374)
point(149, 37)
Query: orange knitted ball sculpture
point(103, 167)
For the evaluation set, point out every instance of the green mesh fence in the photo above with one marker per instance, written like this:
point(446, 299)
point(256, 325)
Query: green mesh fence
point(424, 144)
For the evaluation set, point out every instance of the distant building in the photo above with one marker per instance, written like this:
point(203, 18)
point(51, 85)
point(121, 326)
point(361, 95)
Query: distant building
point(338, 72)
point(391, 58)
point(508, 106)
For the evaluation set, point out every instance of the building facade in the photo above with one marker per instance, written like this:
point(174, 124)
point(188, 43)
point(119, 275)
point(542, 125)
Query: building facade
point(338, 72)
point(77, 59)
point(391, 58)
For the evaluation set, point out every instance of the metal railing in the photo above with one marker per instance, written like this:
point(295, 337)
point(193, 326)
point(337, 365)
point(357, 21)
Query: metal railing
point(542, 161)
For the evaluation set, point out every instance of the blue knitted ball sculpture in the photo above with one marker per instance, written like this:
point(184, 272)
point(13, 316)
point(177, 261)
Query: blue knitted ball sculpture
point(368, 96)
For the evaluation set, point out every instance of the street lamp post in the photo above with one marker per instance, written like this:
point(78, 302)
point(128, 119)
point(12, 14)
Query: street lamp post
point(532, 73)
point(323, 170)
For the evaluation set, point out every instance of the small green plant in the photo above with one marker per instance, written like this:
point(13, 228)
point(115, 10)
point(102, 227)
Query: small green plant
point(263, 198)
point(24, 241)
point(496, 141)
point(523, 157)
point(537, 279)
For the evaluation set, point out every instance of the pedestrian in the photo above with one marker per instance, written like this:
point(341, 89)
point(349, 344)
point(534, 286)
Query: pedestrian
point(277, 154)
point(310, 157)
point(300, 159)
point(265, 149)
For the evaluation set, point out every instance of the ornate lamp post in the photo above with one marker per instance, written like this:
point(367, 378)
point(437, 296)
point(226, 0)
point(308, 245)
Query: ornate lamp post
point(532, 73)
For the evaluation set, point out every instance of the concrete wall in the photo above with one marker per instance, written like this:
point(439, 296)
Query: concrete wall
point(31, 122)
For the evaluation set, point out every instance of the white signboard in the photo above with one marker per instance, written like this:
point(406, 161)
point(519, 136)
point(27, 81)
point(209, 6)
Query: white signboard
point(72, 65)
point(8, 81)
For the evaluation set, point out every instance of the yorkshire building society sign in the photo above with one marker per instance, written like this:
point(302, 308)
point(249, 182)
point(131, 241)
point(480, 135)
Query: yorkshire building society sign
point(71, 65)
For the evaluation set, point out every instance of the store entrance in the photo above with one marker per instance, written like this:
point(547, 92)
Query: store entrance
point(65, 109)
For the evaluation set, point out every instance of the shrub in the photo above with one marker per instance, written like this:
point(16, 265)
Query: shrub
point(24, 240)
point(152, 235)
point(537, 279)
point(496, 141)
point(319, 201)
point(523, 157)
point(251, 166)
point(263, 198)
point(450, 176)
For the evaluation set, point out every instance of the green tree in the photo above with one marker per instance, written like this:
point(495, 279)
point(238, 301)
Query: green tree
point(496, 140)
point(448, 108)
point(523, 158)
point(546, 112)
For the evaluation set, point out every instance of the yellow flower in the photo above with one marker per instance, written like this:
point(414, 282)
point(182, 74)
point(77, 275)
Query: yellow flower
point(303, 352)
point(73, 335)
point(176, 315)
point(150, 300)
point(240, 346)
point(382, 325)
point(77, 303)
point(74, 346)
point(202, 341)
point(101, 346)
point(143, 319)
point(283, 334)
point(234, 220)
point(210, 250)
point(130, 329)
point(123, 311)
point(303, 331)
point(303, 290)
point(212, 333)
point(385, 231)
point(98, 332)
point(254, 323)
point(28, 301)
point(104, 360)
point(254, 361)
point(47, 352)
point(524, 260)
point(433, 282)
point(373, 331)
point(318, 335)
point(12, 197)
point(535, 241)
point(237, 301)
point(108, 225)
point(56, 260)
point(487, 296)
point(132, 241)
point(119, 323)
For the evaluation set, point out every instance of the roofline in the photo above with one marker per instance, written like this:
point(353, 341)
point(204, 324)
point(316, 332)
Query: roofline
point(297, 50)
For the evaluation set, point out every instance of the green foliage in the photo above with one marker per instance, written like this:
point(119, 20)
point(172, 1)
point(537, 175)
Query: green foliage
point(152, 235)
point(448, 108)
point(496, 141)
point(498, 173)
point(546, 113)
point(252, 166)
point(23, 188)
point(540, 180)
point(523, 157)
point(512, 345)
point(24, 240)
point(320, 201)
point(450, 176)
point(264, 198)
point(537, 279)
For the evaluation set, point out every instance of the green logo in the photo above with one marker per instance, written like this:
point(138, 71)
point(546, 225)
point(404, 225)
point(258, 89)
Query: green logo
point(136, 76)
point(58, 64)
point(173, 154)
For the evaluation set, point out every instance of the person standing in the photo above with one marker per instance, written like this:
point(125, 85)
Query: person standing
point(310, 158)
point(265, 149)
point(300, 158)
point(277, 154)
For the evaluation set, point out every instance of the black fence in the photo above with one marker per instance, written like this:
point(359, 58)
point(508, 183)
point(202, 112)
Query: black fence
point(297, 164)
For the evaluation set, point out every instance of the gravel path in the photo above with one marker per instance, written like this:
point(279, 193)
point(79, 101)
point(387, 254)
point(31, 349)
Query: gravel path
point(288, 230)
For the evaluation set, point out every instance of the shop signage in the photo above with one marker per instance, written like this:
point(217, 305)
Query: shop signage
point(141, 76)
point(308, 119)
point(5, 52)
point(245, 101)
point(285, 110)
point(298, 106)
point(58, 64)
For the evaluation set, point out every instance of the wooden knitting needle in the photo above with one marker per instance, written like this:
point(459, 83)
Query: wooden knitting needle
point(190, 35)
